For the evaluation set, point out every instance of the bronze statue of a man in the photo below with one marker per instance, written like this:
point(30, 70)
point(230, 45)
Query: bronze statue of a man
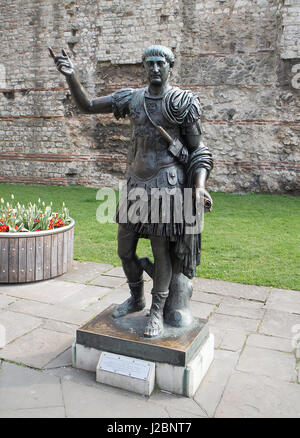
point(166, 153)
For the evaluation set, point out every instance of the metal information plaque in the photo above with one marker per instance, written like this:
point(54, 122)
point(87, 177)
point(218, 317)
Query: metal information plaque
point(126, 366)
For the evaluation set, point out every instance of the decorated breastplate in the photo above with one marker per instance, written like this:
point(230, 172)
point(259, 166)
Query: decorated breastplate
point(149, 150)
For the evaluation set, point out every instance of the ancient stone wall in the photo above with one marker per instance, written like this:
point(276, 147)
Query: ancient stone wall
point(290, 38)
point(240, 56)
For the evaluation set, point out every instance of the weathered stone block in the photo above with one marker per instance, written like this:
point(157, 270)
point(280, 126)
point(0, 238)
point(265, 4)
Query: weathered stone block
point(126, 378)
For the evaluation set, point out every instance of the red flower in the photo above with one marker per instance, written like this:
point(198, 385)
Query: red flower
point(4, 228)
point(59, 223)
point(50, 226)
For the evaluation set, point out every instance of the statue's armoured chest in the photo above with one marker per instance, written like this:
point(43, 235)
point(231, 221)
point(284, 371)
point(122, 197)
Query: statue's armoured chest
point(148, 151)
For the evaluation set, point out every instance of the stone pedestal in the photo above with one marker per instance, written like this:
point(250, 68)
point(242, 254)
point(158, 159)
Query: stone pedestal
point(181, 356)
point(126, 372)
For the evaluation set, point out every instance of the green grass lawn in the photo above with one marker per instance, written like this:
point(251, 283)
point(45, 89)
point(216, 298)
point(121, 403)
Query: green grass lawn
point(251, 238)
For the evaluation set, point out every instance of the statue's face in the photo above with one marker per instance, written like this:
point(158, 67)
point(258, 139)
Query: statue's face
point(157, 69)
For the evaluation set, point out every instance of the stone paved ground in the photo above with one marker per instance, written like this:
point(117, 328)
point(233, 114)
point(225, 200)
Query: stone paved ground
point(255, 373)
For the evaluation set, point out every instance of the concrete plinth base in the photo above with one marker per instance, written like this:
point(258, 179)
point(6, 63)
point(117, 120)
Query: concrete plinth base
point(181, 357)
point(186, 380)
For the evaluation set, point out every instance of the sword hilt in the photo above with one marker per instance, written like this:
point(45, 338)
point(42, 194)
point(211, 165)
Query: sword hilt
point(165, 134)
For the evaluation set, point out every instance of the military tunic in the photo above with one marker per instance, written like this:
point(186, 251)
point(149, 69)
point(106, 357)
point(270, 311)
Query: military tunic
point(150, 166)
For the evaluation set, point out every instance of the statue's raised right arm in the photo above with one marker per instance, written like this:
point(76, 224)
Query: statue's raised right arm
point(93, 106)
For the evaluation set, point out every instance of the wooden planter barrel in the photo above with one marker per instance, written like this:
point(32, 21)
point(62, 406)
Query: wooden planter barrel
point(37, 255)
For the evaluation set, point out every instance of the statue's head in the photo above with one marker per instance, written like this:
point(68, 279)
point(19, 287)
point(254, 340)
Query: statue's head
point(158, 62)
point(159, 52)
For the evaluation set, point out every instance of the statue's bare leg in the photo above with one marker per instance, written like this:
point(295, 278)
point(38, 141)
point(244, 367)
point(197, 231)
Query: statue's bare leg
point(177, 307)
point(161, 281)
point(127, 243)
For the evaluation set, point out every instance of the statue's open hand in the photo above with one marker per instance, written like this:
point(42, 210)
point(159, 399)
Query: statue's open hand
point(63, 63)
point(203, 196)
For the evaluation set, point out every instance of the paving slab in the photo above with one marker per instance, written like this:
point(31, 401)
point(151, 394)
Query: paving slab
point(204, 297)
point(37, 348)
point(100, 305)
point(50, 291)
point(178, 406)
point(83, 401)
point(83, 272)
point(296, 340)
point(62, 360)
point(253, 396)
point(115, 296)
point(17, 325)
point(115, 272)
point(234, 322)
point(278, 323)
point(51, 311)
point(243, 311)
point(148, 286)
point(270, 342)
point(228, 339)
point(52, 412)
point(233, 340)
point(284, 300)
point(218, 333)
point(211, 388)
point(70, 374)
point(58, 326)
point(105, 281)
point(235, 290)
point(119, 272)
point(24, 388)
point(266, 362)
point(177, 413)
point(243, 303)
point(6, 300)
point(84, 297)
point(202, 310)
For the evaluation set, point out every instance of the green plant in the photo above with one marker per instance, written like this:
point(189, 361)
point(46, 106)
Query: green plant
point(15, 217)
